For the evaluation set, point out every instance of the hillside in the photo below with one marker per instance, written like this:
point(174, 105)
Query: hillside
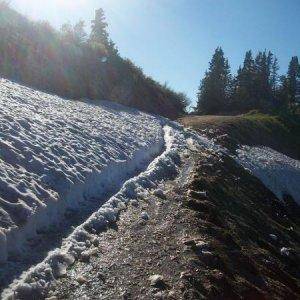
point(96, 196)
point(254, 129)
point(71, 64)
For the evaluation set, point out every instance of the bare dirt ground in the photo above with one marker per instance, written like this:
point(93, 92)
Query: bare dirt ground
point(137, 248)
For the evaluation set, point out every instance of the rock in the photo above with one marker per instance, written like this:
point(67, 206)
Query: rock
point(81, 279)
point(159, 295)
point(85, 255)
point(134, 203)
point(156, 280)
point(145, 216)
point(207, 253)
point(285, 251)
point(189, 242)
point(59, 270)
point(202, 245)
point(185, 274)
point(273, 237)
point(172, 295)
point(159, 193)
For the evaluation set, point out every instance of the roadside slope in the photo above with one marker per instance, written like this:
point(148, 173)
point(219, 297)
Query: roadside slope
point(255, 234)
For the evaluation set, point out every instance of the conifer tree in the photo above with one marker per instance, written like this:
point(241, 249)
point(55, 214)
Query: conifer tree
point(283, 93)
point(293, 78)
point(245, 84)
point(263, 96)
point(79, 33)
point(99, 32)
point(215, 88)
point(274, 75)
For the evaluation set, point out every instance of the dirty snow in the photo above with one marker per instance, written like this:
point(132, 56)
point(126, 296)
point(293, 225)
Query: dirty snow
point(278, 172)
point(37, 281)
point(55, 154)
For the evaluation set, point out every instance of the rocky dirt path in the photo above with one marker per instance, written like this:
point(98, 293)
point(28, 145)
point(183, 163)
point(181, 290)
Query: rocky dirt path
point(144, 256)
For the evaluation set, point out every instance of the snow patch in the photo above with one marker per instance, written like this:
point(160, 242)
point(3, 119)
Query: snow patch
point(57, 154)
point(39, 278)
point(278, 172)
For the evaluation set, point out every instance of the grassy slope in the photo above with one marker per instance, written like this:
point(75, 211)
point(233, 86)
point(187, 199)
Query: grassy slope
point(279, 133)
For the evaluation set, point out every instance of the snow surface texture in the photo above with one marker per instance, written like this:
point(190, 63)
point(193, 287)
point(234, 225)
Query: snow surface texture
point(55, 154)
point(39, 279)
point(278, 172)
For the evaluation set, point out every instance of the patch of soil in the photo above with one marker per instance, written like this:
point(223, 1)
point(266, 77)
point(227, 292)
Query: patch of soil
point(247, 227)
point(138, 247)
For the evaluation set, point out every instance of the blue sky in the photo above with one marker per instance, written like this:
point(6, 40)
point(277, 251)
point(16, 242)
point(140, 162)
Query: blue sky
point(173, 40)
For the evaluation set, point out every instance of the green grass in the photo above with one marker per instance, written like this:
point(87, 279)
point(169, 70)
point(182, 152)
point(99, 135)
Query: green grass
point(280, 132)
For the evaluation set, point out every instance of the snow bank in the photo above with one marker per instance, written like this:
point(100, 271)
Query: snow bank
point(39, 279)
point(278, 172)
point(57, 154)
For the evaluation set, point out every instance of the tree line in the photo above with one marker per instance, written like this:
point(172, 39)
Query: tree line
point(257, 85)
point(73, 64)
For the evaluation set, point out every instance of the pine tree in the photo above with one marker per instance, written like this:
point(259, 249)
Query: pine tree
point(264, 97)
point(79, 33)
point(283, 93)
point(274, 75)
point(293, 77)
point(215, 88)
point(244, 85)
point(99, 34)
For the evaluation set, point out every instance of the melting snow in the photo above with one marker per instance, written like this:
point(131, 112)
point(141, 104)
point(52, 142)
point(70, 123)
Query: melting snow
point(278, 172)
point(55, 154)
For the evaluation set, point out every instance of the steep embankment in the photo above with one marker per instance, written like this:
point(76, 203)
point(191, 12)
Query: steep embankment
point(254, 236)
point(68, 169)
point(60, 161)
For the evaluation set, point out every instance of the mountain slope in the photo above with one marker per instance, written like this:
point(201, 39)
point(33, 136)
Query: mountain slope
point(214, 231)
point(93, 197)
